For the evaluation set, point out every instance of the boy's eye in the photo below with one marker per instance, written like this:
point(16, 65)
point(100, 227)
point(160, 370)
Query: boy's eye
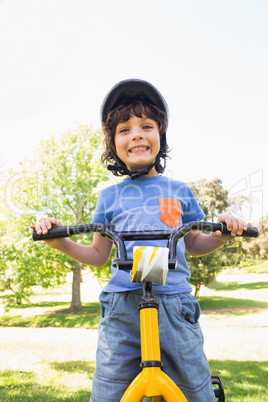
point(147, 127)
point(123, 130)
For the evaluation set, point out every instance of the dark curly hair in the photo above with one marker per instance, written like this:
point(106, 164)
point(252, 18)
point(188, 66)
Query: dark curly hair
point(121, 114)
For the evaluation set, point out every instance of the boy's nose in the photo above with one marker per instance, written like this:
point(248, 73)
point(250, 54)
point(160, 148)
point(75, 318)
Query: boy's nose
point(136, 134)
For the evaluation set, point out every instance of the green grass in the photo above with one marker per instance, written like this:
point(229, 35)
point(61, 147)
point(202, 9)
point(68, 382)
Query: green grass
point(57, 314)
point(232, 286)
point(56, 381)
point(92, 307)
point(87, 317)
point(53, 376)
point(55, 320)
point(249, 267)
point(242, 380)
point(54, 305)
point(43, 304)
point(218, 302)
point(261, 268)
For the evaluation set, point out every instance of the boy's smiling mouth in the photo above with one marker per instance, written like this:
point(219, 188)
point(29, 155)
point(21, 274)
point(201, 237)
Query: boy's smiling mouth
point(139, 148)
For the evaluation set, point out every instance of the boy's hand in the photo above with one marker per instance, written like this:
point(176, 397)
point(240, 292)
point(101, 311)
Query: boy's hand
point(44, 226)
point(235, 225)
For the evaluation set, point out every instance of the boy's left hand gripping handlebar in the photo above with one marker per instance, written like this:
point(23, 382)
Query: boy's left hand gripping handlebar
point(59, 232)
point(54, 233)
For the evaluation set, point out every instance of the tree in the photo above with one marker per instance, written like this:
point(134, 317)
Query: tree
point(237, 202)
point(257, 249)
point(24, 263)
point(63, 181)
point(213, 199)
point(204, 269)
point(211, 196)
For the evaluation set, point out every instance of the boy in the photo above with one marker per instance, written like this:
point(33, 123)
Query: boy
point(135, 119)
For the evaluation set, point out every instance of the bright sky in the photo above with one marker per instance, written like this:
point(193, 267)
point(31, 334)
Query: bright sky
point(209, 58)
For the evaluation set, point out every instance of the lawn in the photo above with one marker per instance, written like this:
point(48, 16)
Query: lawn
point(59, 382)
point(47, 353)
point(243, 381)
point(234, 305)
point(53, 314)
point(71, 381)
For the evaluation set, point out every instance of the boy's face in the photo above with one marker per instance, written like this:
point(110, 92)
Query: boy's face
point(137, 143)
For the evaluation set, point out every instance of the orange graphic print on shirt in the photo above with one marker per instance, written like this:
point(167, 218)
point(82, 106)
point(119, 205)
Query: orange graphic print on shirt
point(170, 211)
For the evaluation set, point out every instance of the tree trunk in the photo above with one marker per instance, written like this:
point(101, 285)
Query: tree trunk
point(197, 290)
point(76, 295)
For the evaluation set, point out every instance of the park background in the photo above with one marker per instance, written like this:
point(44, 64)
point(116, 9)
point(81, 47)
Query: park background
point(209, 59)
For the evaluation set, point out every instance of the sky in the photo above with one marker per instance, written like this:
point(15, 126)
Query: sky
point(209, 58)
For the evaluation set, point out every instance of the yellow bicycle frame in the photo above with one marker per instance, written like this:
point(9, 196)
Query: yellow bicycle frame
point(152, 381)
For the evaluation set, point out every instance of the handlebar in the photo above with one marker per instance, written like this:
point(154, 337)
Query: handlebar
point(119, 238)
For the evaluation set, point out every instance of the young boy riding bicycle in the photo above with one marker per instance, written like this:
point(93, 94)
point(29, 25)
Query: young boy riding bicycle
point(135, 120)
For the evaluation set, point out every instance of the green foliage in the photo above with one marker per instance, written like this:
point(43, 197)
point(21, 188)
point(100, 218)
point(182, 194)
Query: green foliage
point(62, 181)
point(211, 196)
point(244, 252)
point(24, 263)
point(204, 269)
point(213, 199)
point(257, 248)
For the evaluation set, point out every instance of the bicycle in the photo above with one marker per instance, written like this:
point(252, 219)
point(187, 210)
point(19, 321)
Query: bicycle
point(151, 383)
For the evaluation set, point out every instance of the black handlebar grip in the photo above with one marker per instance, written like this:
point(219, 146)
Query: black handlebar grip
point(57, 232)
point(251, 231)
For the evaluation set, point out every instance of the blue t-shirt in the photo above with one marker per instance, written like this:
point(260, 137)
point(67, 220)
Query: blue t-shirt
point(144, 204)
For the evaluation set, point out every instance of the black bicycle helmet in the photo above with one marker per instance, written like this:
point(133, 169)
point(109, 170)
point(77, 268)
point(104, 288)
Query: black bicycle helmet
point(134, 89)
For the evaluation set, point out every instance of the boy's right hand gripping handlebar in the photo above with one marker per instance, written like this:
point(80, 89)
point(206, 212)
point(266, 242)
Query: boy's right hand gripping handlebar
point(119, 238)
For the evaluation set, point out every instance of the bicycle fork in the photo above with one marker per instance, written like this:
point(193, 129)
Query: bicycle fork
point(152, 381)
